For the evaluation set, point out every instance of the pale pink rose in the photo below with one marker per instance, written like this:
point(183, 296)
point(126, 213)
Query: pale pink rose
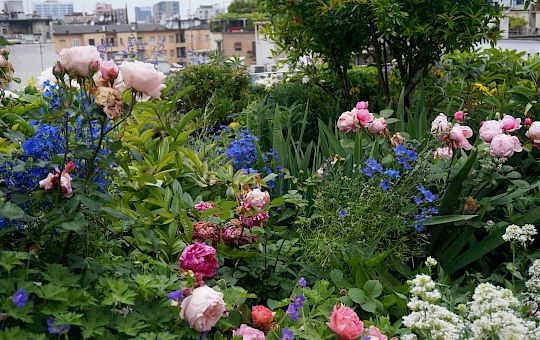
point(510, 123)
point(377, 126)
point(248, 333)
point(203, 308)
point(49, 182)
point(201, 259)
point(364, 116)
point(459, 116)
point(202, 206)
point(65, 184)
point(375, 334)
point(528, 121)
point(347, 122)
point(143, 78)
point(534, 132)
point(490, 129)
point(443, 153)
point(459, 135)
point(345, 323)
point(440, 127)
point(80, 60)
point(108, 69)
point(504, 146)
point(258, 199)
point(362, 105)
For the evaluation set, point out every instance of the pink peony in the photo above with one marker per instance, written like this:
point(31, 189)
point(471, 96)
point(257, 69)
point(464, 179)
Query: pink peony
point(375, 334)
point(80, 61)
point(202, 206)
point(203, 308)
point(377, 126)
point(504, 146)
point(534, 132)
point(528, 121)
point(347, 122)
point(345, 323)
point(490, 129)
point(440, 127)
point(248, 333)
point(510, 123)
point(261, 316)
point(258, 199)
point(362, 105)
point(364, 116)
point(49, 182)
point(142, 77)
point(201, 259)
point(65, 184)
point(443, 153)
point(459, 116)
point(459, 135)
point(108, 69)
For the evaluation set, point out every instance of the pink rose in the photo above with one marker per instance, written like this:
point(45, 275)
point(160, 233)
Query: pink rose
point(202, 206)
point(490, 129)
point(65, 184)
point(440, 127)
point(459, 135)
point(261, 316)
point(443, 153)
point(377, 126)
point(362, 105)
point(258, 199)
point(364, 116)
point(347, 122)
point(510, 123)
point(375, 334)
point(49, 182)
point(504, 146)
point(345, 323)
point(80, 60)
point(534, 132)
point(528, 121)
point(109, 70)
point(248, 333)
point(459, 116)
point(3, 61)
point(143, 78)
point(201, 259)
point(203, 308)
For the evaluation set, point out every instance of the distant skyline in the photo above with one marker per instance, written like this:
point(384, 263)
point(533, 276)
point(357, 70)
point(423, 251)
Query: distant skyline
point(90, 5)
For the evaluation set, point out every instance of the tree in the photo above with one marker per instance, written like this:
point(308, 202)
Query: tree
point(243, 6)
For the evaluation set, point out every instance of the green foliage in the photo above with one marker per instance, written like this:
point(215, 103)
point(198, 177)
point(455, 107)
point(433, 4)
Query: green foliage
point(517, 22)
point(243, 6)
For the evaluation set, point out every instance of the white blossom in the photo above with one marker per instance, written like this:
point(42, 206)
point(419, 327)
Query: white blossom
point(431, 262)
point(521, 235)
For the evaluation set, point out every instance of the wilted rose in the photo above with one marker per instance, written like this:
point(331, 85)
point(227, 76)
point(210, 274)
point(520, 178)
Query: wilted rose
point(110, 101)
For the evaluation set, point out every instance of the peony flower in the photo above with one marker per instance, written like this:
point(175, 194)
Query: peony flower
point(440, 127)
point(510, 123)
point(248, 333)
point(459, 134)
point(203, 231)
point(80, 60)
point(377, 126)
point(261, 317)
point(345, 323)
point(504, 146)
point(362, 105)
point(347, 122)
point(203, 308)
point(202, 206)
point(108, 69)
point(65, 184)
point(443, 153)
point(143, 78)
point(490, 129)
point(534, 132)
point(375, 334)
point(110, 101)
point(201, 259)
point(49, 182)
point(364, 116)
point(258, 199)
point(459, 116)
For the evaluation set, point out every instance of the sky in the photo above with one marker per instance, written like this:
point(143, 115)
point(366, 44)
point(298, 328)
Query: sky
point(90, 5)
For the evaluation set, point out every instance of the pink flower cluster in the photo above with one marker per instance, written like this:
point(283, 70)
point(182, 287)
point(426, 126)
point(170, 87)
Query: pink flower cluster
point(200, 259)
point(203, 206)
point(63, 178)
point(358, 117)
point(496, 134)
point(454, 136)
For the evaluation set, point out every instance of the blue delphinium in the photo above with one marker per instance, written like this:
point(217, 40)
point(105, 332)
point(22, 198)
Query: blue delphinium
point(286, 334)
point(384, 185)
point(404, 156)
point(372, 167)
point(20, 298)
point(426, 212)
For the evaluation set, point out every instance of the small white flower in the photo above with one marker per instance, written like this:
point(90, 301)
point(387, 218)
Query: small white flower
point(431, 262)
point(520, 235)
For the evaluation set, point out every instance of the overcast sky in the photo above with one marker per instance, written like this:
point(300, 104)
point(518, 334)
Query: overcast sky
point(90, 5)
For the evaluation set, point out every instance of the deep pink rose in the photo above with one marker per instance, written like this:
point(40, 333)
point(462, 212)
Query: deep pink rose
point(248, 333)
point(459, 116)
point(534, 132)
point(203, 308)
point(459, 135)
point(256, 220)
point(109, 70)
point(510, 123)
point(261, 316)
point(347, 122)
point(443, 153)
point(490, 129)
point(364, 116)
point(504, 146)
point(202, 206)
point(362, 105)
point(528, 121)
point(201, 259)
point(49, 182)
point(377, 126)
point(440, 127)
point(143, 78)
point(258, 199)
point(80, 60)
point(345, 323)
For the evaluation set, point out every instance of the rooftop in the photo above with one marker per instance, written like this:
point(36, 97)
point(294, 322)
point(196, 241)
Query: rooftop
point(112, 28)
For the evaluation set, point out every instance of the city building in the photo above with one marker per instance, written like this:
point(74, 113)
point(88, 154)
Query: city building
point(25, 29)
point(13, 8)
point(200, 41)
point(106, 14)
point(164, 10)
point(207, 12)
point(54, 9)
point(143, 14)
point(237, 38)
point(266, 60)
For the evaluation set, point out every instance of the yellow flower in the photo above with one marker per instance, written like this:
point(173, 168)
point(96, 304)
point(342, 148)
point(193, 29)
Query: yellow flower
point(234, 124)
point(438, 74)
point(484, 89)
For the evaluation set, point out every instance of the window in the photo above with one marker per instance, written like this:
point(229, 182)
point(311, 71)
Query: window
point(75, 42)
point(92, 42)
point(238, 46)
point(182, 52)
point(171, 52)
point(121, 41)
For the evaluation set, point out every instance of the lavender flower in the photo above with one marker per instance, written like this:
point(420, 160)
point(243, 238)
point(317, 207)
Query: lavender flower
point(302, 282)
point(20, 298)
point(286, 334)
point(292, 312)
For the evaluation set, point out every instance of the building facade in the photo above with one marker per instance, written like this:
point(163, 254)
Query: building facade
point(26, 29)
point(207, 12)
point(53, 9)
point(143, 14)
point(237, 38)
point(164, 10)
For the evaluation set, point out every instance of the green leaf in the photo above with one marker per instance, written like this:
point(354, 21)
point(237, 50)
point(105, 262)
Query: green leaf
point(370, 306)
point(10, 210)
point(449, 218)
point(373, 288)
point(336, 275)
point(357, 295)
point(78, 224)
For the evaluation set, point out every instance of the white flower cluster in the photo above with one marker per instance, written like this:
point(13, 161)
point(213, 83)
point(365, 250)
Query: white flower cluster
point(494, 310)
point(521, 235)
point(427, 318)
point(533, 287)
point(431, 262)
